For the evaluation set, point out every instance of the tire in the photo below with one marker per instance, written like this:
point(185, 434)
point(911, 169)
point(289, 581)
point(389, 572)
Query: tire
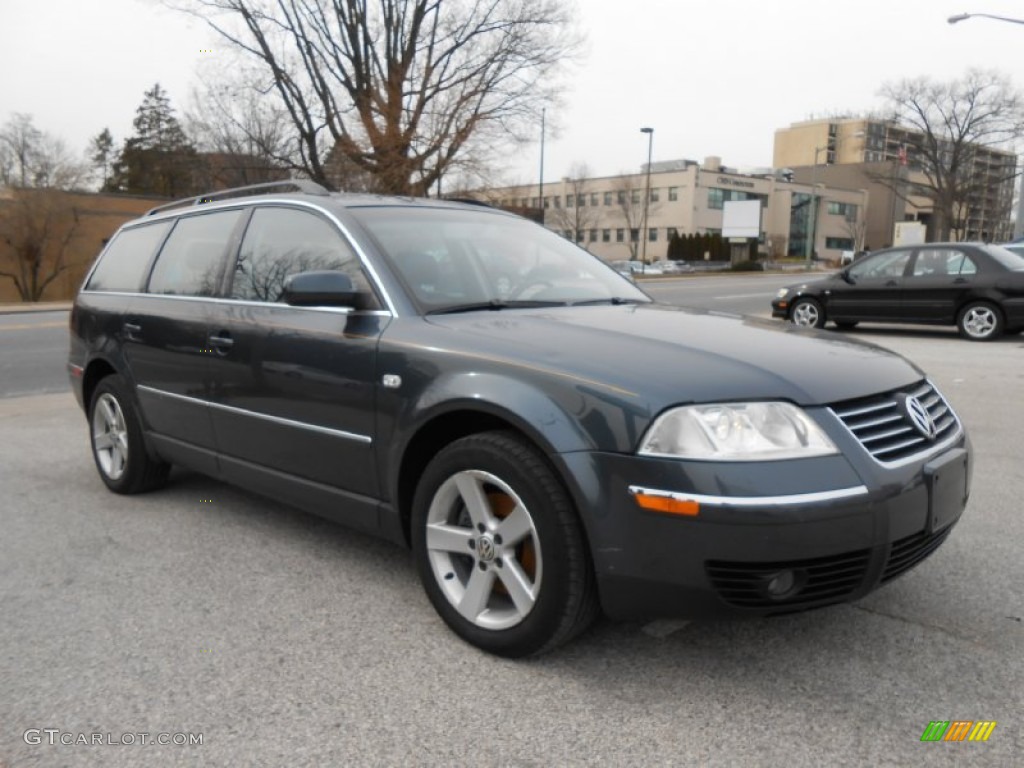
point(807, 313)
point(499, 548)
point(115, 434)
point(980, 321)
point(845, 325)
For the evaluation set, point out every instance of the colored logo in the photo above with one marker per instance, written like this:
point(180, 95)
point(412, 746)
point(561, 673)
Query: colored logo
point(958, 730)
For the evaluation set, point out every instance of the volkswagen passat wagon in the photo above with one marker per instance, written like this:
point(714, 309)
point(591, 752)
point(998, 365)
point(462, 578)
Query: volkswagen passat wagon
point(548, 440)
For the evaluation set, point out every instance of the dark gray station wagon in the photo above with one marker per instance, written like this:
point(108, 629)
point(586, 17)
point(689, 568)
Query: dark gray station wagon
point(548, 440)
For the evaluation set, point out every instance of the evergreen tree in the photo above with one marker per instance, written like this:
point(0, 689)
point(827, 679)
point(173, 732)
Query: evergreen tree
point(102, 147)
point(159, 159)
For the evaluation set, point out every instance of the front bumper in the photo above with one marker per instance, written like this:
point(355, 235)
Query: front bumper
point(833, 529)
point(780, 308)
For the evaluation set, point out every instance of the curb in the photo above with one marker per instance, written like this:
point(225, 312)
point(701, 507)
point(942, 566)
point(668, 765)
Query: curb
point(41, 306)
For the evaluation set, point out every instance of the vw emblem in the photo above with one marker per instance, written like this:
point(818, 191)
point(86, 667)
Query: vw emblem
point(920, 418)
point(485, 548)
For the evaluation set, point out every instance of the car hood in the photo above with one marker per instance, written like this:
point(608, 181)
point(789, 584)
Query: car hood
point(664, 355)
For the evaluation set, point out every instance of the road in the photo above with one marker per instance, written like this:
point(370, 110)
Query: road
point(33, 353)
point(285, 640)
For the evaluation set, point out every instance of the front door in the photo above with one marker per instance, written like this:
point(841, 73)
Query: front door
point(294, 387)
point(873, 290)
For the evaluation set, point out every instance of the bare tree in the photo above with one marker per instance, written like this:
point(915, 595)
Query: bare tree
point(30, 157)
point(400, 89)
point(36, 228)
point(630, 202)
point(37, 216)
point(952, 129)
point(779, 242)
point(857, 228)
point(244, 132)
point(576, 214)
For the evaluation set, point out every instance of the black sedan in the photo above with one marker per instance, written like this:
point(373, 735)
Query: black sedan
point(978, 288)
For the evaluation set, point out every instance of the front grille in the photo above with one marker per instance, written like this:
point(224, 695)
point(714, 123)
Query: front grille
point(909, 551)
point(882, 425)
point(822, 579)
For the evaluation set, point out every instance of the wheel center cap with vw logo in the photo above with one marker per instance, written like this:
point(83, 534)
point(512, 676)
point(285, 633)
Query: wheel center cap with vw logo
point(485, 548)
point(919, 417)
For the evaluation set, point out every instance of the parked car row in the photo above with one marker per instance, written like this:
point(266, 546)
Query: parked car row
point(662, 267)
point(976, 287)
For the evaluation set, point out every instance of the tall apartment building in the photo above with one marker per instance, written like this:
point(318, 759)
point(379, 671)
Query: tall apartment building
point(878, 156)
point(605, 214)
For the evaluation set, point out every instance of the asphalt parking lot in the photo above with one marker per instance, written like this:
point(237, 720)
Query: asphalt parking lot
point(282, 639)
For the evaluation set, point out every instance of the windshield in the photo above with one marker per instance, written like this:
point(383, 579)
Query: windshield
point(464, 260)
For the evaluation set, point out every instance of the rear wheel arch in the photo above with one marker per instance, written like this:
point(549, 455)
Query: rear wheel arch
point(95, 372)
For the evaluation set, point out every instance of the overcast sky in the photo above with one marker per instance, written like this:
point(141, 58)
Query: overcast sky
point(712, 77)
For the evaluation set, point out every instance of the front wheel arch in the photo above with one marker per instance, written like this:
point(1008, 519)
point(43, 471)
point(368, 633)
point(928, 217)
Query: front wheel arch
point(503, 599)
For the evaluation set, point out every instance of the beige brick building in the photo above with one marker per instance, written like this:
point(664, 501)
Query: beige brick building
point(605, 214)
point(873, 154)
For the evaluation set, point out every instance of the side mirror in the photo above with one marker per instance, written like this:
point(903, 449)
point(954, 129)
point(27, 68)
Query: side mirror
point(847, 277)
point(320, 289)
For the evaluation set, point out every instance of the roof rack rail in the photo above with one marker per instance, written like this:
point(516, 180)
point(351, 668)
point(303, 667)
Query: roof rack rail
point(267, 188)
point(468, 201)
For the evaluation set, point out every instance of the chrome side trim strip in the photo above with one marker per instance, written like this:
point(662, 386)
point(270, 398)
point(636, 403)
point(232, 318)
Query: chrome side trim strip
point(265, 417)
point(242, 302)
point(755, 501)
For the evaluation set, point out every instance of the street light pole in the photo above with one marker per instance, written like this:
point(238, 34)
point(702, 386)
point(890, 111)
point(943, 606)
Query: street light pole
point(540, 191)
point(647, 197)
point(812, 213)
point(964, 16)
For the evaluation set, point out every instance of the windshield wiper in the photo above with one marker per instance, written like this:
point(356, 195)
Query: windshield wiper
point(615, 300)
point(494, 305)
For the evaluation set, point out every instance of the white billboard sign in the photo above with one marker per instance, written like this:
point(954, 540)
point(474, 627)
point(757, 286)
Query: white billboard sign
point(741, 218)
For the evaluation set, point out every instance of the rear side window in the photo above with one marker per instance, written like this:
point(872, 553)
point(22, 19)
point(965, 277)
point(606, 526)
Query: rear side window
point(280, 242)
point(191, 260)
point(943, 262)
point(123, 265)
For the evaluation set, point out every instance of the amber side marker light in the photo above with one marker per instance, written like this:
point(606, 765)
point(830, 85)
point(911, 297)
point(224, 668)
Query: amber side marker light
point(667, 504)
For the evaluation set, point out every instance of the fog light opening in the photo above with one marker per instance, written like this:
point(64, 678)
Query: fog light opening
point(784, 584)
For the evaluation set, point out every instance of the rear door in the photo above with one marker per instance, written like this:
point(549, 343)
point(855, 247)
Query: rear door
point(166, 331)
point(939, 280)
point(294, 387)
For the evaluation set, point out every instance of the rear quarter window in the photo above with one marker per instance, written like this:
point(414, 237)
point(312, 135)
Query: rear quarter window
point(122, 266)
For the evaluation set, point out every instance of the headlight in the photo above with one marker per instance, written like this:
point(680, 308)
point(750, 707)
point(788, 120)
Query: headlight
point(736, 432)
point(782, 293)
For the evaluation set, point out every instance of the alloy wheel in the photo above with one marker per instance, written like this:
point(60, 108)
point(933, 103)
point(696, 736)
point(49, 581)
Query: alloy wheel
point(484, 550)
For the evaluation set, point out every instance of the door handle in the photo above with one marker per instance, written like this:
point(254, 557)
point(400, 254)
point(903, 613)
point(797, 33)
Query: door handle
point(221, 343)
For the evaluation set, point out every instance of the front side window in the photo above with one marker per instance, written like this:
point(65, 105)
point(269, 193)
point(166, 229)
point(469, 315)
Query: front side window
point(192, 259)
point(883, 265)
point(123, 265)
point(280, 242)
